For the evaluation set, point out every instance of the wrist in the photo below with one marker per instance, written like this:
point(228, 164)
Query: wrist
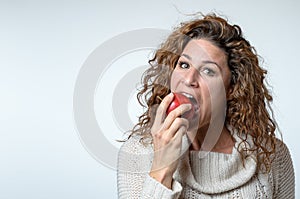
point(163, 177)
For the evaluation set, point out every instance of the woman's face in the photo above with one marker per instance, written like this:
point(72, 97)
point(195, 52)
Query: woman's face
point(202, 72)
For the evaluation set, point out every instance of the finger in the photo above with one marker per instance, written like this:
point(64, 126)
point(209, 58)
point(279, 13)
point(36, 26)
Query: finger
point(176, 125)
point(162, 108)
point(176, 113)
point(177, 139)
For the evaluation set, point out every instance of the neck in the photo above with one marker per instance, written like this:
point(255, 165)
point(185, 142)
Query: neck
point(213, 139)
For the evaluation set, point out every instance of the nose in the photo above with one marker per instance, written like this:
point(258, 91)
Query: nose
point(191, 77)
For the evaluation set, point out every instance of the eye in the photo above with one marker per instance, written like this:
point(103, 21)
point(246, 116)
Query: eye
point(208, 71)
point(183, 65)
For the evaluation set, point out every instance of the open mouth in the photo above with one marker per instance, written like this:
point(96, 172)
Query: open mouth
point(192, 100)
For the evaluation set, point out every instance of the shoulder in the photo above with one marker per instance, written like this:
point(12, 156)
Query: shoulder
point(281, 151)
point(135, 145)
point(283, 171)
point(282, 155)
point(134, 156)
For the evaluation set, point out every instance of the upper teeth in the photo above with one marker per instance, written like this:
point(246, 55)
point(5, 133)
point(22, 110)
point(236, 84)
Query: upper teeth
point(188, 95)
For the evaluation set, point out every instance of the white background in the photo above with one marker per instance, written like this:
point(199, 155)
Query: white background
point(43, 45)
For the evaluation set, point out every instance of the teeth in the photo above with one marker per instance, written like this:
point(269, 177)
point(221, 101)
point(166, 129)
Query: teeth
point(193, 100)
point(188, 95)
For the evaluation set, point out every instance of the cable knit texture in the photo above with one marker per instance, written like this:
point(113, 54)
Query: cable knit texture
point(204, 175)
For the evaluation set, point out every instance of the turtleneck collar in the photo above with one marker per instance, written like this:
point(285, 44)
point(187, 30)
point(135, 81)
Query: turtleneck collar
point(212, 172)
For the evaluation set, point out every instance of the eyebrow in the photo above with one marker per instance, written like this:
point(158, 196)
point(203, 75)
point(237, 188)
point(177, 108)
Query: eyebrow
point(205, 61)
point(186, 56)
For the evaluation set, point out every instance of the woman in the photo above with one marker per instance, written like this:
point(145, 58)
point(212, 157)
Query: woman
point(227, 148)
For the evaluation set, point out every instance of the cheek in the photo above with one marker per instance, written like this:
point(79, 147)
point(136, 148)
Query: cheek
point(217, 89)
point(216, 94)
point(227, 80)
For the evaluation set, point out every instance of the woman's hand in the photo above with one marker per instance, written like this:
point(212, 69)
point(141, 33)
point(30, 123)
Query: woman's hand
point(167, 132)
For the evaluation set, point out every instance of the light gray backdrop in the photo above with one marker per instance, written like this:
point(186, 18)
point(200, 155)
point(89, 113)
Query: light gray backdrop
point(44, 45)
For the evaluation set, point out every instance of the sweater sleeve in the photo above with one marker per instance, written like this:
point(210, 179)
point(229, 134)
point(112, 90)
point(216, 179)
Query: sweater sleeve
point(134, 182)
point(283, 172)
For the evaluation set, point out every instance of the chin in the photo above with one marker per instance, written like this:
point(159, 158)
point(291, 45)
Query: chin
point(194, 123)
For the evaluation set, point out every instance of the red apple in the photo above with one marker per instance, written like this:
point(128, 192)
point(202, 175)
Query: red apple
point(178, 100)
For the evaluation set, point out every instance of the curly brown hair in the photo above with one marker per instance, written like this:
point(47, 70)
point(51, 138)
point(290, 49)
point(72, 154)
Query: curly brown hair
point(248, 103)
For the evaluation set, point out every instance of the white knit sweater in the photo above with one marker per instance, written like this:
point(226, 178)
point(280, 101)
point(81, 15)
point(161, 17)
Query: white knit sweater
point(204, 175)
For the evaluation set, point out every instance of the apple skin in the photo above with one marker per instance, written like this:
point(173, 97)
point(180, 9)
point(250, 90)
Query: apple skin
point(177, 101)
